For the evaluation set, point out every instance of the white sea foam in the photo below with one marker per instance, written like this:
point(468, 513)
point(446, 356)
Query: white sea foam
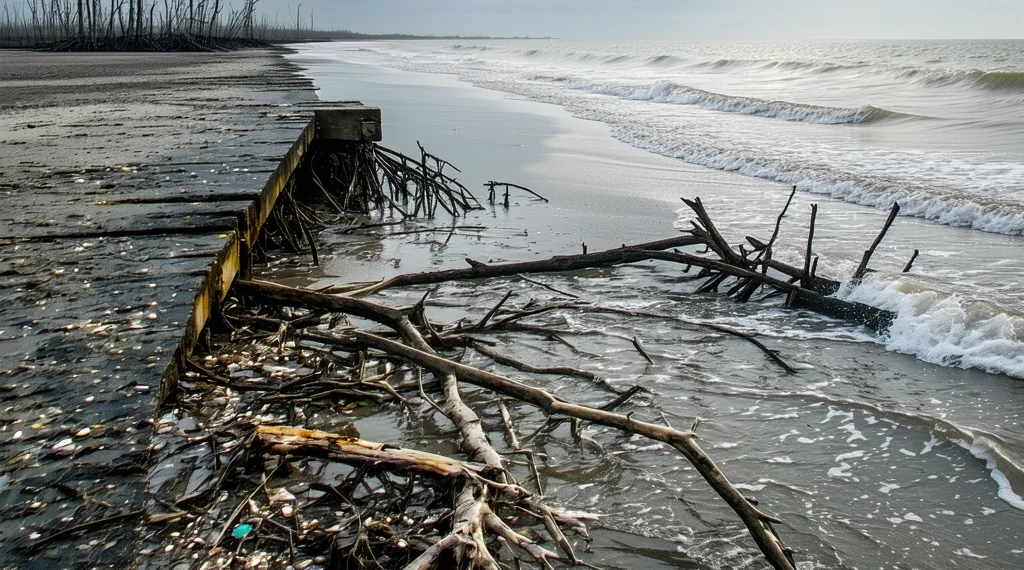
point(944, 328)
point(668, 92)
point(1006, 492)
point(980, 190)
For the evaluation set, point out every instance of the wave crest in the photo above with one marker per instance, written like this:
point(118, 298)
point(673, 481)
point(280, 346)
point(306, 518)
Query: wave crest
point(1001, 80)
point(946, 329)
point(673, 93)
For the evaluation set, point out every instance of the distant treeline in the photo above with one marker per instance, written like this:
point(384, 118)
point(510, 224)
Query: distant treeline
point(326, 35)
point(130, 24)
point(157, 25)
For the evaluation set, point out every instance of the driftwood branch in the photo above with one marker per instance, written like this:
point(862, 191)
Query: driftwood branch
point(479, 270)
point(420, 354)
point(485, 486)
point(757, 522)
point(863, 267)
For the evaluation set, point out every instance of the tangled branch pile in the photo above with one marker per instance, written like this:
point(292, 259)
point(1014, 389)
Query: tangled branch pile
point(278, 477)
point(359, 178)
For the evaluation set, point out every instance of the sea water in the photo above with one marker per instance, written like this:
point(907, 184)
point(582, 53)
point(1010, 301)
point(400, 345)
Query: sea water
point(900, 450)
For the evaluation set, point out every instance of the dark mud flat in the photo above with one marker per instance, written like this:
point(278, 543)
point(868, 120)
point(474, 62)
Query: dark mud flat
point(121, 178)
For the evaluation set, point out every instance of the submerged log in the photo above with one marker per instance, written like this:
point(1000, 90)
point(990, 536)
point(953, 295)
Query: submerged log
point(812, 294)
point(560, 263)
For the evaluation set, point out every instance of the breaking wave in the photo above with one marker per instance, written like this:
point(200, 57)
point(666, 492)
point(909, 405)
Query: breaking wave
point(946, 329)
point(672, 93)
point(946, 206)
point(927, 76)
point(1000, 79)
point(976, 78)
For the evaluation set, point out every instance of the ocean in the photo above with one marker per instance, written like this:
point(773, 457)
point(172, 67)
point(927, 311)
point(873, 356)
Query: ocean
point(899, 450)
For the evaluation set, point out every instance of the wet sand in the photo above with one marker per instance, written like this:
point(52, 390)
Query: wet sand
point(108, 163)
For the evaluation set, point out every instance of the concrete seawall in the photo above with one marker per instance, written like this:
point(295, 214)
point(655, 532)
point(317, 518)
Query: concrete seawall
point(130, 186)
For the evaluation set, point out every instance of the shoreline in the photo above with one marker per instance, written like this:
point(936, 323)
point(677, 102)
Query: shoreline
point(547, 228)
point(98, 286)
point(956, 263)
point(844, 369)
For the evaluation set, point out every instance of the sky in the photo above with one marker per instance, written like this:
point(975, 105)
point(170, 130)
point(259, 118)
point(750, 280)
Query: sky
point(668, 19)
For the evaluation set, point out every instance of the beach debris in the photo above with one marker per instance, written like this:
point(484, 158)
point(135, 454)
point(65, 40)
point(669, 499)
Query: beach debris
point(275, 460)
point(491, 193)
point(64, 447)
point(282, 496)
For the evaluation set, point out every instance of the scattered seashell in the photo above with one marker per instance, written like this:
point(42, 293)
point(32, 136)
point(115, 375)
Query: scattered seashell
point(90, 399)
point(141, 389)
point(287, 511)
point(84, 432)
point(17, 435)
point(65, 447)
point(151, 316)
point(282, 496)
point(34, 536)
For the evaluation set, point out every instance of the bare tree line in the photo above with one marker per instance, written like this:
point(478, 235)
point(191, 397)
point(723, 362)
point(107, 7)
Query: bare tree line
point(138, 24)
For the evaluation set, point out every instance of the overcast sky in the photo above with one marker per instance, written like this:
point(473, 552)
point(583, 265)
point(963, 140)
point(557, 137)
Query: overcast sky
point(668, 19)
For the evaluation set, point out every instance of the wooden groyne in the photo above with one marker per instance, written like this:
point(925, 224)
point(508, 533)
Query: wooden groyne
point(345, 122)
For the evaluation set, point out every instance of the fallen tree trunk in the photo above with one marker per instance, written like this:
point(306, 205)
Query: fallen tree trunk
point(487, 486)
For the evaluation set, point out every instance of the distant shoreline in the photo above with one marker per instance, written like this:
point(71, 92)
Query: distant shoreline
point(236, 44)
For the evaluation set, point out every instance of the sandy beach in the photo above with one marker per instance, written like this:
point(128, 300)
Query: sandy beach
point(101, 257)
